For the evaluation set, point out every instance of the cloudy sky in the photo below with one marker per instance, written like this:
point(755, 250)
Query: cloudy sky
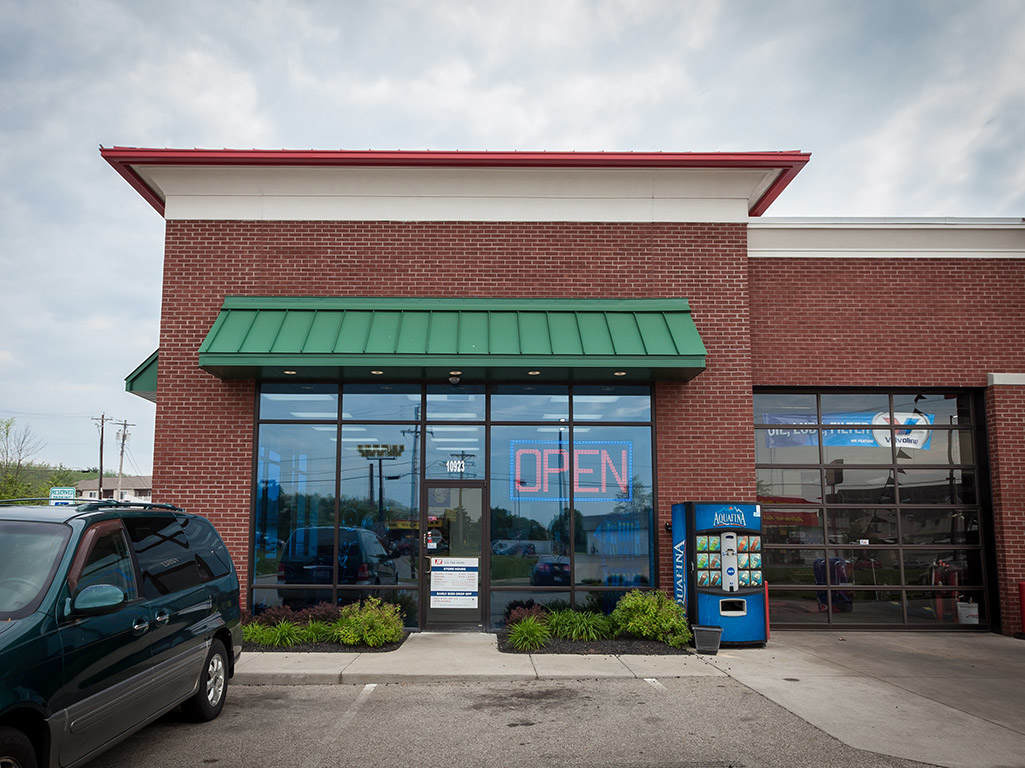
point(909, 108)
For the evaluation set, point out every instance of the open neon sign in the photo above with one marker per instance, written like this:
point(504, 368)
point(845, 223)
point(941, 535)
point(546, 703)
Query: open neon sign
point(545, 470)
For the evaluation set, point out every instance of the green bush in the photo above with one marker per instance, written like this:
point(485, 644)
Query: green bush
point(529, 634)
point(316, 632)
point(256, 633)
point(589, 626)
point(370, 623)
point(652, 616)
point(284, 634)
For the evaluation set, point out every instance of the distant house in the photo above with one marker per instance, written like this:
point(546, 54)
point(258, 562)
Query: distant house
point(132, 488)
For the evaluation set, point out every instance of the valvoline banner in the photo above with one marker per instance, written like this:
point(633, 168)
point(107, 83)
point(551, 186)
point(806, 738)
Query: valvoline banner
point(914, 432)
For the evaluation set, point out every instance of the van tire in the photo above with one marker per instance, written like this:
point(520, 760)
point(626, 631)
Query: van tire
point(208, 700)
point(16, 750)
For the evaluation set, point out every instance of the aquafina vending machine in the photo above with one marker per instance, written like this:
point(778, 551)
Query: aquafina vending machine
point(717, 568)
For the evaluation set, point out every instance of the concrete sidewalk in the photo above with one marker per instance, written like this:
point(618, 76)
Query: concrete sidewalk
point(951, 699)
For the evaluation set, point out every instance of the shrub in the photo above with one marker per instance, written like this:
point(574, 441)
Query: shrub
point(517, 615)
point(256, 633)
point(371, 623)
point(512, 605)
point(652, 616)
point(321, 612)
point(276, 614)
point(529, 634)
point(588, 625)
point(316, 631)
point(284, 634)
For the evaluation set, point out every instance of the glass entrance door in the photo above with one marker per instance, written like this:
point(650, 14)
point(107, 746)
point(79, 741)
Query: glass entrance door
point(451, 550)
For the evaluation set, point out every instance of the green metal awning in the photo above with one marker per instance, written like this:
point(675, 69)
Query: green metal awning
point(143, 380)
point(410, 339)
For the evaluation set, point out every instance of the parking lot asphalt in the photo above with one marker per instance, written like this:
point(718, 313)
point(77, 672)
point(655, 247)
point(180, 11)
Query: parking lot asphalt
point(950, 699)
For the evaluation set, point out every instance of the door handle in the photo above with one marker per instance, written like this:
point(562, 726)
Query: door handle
point(162, 617)
point(140, 625)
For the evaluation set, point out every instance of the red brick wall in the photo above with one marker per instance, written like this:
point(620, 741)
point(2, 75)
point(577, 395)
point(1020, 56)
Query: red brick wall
point(203, 450)
point(907, 322)
point(886, 322)
point(1005, 413)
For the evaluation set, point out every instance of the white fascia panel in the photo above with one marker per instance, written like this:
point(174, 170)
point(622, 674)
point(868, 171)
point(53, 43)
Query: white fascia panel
point(403, 194)
point(888, 239)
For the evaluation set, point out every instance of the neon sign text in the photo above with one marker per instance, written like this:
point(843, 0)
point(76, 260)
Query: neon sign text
point(545, 470)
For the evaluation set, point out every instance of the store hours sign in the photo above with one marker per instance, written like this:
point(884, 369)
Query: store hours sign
point(595, 470)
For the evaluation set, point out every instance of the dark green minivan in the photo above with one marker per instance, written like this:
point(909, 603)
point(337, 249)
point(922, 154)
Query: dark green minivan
point(111, 614)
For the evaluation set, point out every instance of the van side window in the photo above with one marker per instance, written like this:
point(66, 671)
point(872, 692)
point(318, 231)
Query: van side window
point(107, 560)
point(162, 550)
point(211, 555)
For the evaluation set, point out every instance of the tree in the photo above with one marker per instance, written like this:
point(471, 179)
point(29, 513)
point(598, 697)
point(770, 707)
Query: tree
point(17, 447)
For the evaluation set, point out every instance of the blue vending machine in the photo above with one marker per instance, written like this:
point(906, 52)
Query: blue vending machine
point(717, 568)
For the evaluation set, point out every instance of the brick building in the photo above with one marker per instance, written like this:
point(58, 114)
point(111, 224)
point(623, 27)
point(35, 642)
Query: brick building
point(523, 360)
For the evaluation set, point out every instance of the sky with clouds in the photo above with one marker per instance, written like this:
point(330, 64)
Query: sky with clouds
point(909, 108)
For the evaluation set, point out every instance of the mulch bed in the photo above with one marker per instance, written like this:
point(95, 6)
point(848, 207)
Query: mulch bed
point(623, 646)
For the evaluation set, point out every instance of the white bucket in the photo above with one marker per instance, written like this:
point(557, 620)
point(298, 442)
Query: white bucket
point(967, 613)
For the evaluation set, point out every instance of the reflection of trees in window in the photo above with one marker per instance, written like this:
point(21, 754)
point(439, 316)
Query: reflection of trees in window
point(507, 525)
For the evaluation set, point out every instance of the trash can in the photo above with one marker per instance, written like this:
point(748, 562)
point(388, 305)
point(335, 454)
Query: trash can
point(706, 639)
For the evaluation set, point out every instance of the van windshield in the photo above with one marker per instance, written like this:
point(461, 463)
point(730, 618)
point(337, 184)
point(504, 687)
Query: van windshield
point(29, 556)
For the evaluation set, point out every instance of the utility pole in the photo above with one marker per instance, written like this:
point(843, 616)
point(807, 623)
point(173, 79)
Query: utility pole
point(103, 420)
point(123, 437)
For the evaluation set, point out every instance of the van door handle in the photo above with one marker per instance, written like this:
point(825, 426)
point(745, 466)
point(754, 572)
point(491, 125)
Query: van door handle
point(140, 625)
point(162, 617)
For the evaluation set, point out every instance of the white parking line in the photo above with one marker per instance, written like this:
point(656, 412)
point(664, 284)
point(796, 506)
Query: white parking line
point(351, 711)
point(654, 683)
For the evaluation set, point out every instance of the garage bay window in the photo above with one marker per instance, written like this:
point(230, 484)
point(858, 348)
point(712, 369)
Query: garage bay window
point(871, 505)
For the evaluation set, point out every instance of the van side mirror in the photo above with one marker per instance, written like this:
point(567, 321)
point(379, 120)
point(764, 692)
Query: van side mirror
point(98, 599)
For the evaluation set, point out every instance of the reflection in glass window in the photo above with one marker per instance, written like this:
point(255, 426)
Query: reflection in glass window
point(295, 488)
point(784, 409)
point(611, 403)
point(861, 606)
point(460, 403)
point(612, 474)
point(940, 526)
point(792, 606)
point(380, 494)
point(299, 402)
point(787, 445)
point(937, 486)
point(943, 447)
point(381, 402)
point(529, 402)
point(867, 525)
point(869, 566)
point(789, 486)
point(791, 526)
point(523, 516)
point(855, 408)
point(948, 409)
point(455, 452)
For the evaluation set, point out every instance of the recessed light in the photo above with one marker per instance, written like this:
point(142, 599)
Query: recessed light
point(533, 373)
point(377, 373)
point(455, 373)
point(619, 373)
point(289, 373)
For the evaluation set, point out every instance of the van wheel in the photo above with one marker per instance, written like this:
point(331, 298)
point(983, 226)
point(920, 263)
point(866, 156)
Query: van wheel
point(208, 701)
point(16, 750)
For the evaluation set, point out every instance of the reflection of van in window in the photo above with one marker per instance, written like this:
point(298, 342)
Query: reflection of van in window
point(307, 559)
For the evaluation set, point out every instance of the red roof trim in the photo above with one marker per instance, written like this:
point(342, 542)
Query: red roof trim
point(122, 159)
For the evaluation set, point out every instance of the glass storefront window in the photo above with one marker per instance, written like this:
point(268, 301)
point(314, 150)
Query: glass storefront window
point(529, 403)
point(783, 444)
point(380, 495)
point(464, 402)
point(948, 409)
point(299, 402)
point(381, 402)
point(611, 403)
point(295, 492)
point(937, 486)
point(953, 568)
point(867, 607)
point(524, 513)
point(947, 608)
point(789, 486)
point(612, 474)
point(455, 452)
